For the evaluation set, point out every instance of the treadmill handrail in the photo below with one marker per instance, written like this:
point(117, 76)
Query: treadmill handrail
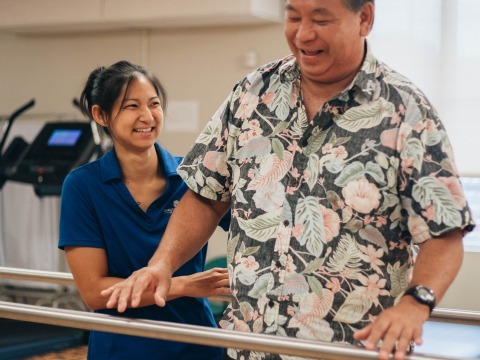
point(12, 118)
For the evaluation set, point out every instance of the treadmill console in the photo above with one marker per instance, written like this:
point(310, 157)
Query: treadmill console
point(59, 148)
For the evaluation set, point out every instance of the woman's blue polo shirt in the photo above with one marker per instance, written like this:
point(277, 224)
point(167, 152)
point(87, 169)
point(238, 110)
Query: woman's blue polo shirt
point(98, 211)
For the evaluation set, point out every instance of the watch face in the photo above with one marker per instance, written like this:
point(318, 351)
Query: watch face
point(425, 294)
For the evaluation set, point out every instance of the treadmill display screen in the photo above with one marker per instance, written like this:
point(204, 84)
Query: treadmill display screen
point(64, 137)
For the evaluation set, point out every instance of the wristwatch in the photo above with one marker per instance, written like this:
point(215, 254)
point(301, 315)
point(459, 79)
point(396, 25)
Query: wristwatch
point(423, 294)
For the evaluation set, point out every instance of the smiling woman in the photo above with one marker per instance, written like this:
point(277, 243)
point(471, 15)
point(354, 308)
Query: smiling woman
point(134, 120)
point(115, 210)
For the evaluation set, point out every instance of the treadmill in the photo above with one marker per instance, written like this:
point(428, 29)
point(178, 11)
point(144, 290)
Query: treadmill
point(58, 148)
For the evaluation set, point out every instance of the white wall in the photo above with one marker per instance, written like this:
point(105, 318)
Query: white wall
point(198, 65)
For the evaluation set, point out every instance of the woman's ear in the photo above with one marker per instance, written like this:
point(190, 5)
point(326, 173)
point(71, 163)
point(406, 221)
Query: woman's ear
point(99, 116)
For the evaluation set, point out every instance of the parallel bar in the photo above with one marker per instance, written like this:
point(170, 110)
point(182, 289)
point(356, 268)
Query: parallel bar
point(37, 275)
point(439, 315)
point(190, 333)
point(455, 316)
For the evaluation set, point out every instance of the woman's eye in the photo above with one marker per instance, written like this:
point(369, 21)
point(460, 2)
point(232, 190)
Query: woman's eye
point(130, 106)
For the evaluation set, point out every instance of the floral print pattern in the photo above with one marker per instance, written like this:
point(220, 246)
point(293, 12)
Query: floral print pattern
point(324, 214)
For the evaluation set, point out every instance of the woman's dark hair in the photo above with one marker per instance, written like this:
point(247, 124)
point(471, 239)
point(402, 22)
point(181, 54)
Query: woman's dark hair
point(105, 84)
point(356, 5)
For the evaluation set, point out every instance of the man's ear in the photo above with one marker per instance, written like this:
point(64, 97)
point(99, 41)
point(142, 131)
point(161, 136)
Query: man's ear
point(99, 116)
point(367, 14)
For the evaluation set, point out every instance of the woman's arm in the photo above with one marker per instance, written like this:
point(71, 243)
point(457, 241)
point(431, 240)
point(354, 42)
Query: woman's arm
point(89, 268)
point(192, 223)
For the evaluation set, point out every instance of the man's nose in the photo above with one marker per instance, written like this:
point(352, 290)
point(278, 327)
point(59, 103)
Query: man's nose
point(305, 32)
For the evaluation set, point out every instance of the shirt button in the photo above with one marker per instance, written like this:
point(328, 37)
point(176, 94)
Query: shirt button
point(286, 223)
point(271, 303)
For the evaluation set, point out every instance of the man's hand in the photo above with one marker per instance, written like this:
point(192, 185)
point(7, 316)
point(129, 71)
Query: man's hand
point(396, 327)
point(131, 289)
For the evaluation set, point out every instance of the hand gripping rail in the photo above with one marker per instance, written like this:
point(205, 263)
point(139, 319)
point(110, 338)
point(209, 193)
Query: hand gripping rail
point(189, 333)
point(453, 316)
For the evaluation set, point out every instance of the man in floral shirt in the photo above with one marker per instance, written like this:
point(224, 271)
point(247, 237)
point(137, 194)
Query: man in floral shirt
point(335, 168)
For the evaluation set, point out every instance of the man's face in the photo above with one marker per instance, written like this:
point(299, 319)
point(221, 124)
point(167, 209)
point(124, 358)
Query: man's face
point(326, 37)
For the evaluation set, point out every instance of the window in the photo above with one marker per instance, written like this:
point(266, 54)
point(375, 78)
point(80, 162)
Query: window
point(471, 186)
point(435, 44)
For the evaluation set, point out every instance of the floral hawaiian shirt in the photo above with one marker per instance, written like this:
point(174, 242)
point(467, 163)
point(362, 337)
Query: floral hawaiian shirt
point(324, 214)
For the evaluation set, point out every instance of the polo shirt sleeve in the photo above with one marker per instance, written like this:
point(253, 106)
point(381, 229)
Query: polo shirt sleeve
point(205, 169)
point(225, 221)
point(429, 184)
point(79, 225)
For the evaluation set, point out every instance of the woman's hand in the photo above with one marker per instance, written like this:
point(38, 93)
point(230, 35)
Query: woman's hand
point(208, 283)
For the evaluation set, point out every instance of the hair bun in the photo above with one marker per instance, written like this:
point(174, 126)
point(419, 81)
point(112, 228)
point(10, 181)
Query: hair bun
point(87, 99)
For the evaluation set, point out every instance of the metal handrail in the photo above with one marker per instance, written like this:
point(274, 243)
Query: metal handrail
point(456, 316)
point(191, 333)
point(61, 278)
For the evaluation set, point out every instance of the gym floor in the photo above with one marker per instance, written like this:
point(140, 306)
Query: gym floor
point(25, 340)
point(75, 353)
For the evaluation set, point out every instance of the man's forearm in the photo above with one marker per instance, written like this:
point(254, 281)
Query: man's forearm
point(438, 262)
point(191, 225)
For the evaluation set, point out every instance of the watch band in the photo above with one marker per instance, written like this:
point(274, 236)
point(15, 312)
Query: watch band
point(423, 294)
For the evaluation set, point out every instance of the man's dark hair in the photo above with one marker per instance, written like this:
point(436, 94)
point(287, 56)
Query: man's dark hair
point(356, 5)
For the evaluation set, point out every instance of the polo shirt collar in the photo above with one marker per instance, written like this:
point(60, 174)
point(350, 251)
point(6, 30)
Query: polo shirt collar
point(110, 168)
point(169, 162)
